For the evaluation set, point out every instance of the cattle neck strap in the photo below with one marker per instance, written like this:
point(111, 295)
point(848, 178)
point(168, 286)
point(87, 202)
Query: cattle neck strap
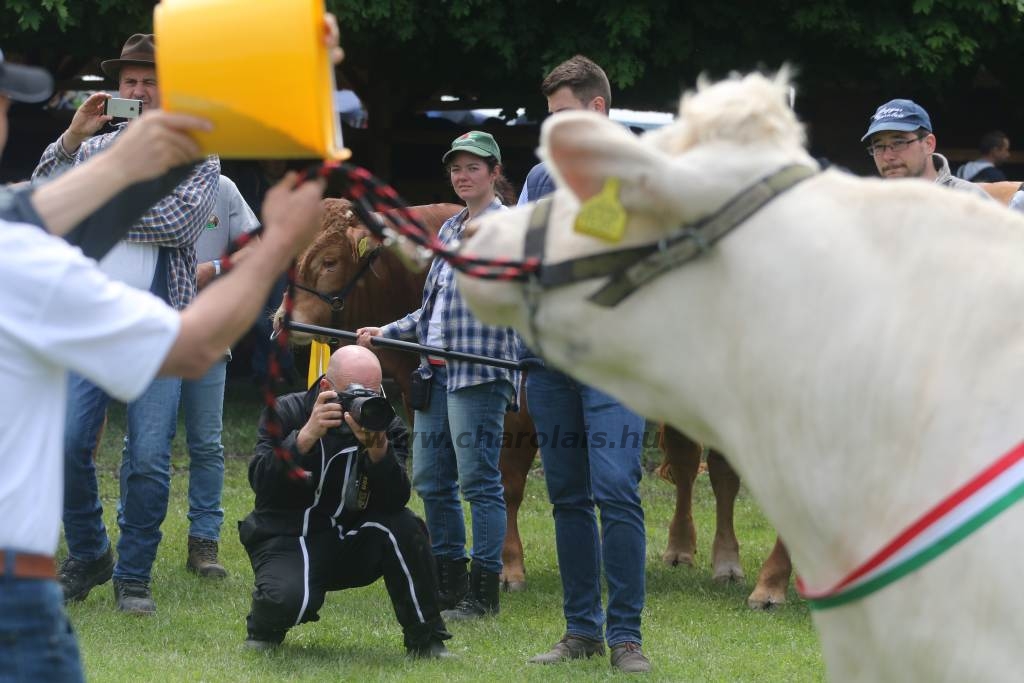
point(690, 241)
point(631, 267)
point(952, 520)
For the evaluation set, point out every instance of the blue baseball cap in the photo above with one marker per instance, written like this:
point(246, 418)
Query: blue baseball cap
point(901, 115)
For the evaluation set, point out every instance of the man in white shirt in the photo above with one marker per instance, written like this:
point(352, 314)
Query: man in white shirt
point(58, 313)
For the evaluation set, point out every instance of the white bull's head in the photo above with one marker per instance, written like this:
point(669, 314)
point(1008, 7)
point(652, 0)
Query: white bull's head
point(728, 136)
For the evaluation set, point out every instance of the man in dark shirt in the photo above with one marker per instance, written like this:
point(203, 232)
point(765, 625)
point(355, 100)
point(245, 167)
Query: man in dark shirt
point(347, 525)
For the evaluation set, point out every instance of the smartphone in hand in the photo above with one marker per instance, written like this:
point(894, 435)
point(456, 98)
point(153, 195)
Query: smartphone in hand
point(122, 109)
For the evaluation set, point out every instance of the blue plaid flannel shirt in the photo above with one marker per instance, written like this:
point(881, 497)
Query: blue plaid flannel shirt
point(175, 221)
point(460, 330)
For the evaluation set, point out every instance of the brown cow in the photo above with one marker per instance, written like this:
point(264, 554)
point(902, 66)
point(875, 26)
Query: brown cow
point(388, 290)
point(681, 465)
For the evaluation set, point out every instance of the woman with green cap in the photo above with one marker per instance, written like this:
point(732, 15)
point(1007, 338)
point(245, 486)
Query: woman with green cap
point(459, 428)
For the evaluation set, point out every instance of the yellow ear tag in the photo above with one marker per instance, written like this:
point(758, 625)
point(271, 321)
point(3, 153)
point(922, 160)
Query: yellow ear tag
point(602, 215)
point(365, 246)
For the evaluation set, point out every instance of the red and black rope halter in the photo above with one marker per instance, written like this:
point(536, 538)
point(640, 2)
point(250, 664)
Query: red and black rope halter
point(368, 195)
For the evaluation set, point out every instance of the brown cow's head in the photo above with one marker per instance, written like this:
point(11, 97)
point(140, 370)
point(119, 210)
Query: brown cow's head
point(331, 266)
point(327, 265)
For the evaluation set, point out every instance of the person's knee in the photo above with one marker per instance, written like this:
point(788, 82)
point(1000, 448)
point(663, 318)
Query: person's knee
point(277, 606)
point(405, 524)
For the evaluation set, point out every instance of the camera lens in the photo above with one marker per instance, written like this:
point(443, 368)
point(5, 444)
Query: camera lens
point(373, 413)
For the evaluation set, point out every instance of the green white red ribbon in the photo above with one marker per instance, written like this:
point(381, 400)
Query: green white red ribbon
point(955, 518)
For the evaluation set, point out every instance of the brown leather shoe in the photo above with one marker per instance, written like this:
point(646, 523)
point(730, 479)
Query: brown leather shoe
point(628, 657)
point(570, 647)
point(202, 558)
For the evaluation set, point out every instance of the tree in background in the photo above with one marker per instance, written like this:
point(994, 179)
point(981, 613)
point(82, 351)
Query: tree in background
point(402, 53)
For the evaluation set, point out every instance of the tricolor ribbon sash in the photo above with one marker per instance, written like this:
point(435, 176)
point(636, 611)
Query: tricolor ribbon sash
point(958, 516)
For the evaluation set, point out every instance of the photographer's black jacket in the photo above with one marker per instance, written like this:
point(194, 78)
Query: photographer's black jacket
point(287, 507)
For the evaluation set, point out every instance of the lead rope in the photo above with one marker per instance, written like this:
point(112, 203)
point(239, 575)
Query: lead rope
point(368, 194)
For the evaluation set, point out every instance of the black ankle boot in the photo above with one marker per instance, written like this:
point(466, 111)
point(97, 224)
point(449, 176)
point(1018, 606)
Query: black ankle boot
point(482, 598)
point(452, 581)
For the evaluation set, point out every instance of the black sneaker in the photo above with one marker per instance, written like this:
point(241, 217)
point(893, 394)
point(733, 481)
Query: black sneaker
point(133, 597)
point(78, 577)
point(435, 649)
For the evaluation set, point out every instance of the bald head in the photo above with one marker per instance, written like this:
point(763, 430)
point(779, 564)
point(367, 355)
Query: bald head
point(354, 365)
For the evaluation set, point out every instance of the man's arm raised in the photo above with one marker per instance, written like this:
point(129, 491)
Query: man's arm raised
point(149, 148)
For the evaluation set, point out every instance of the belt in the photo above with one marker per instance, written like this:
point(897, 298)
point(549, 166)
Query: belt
point(28, 565)
point(436, 361)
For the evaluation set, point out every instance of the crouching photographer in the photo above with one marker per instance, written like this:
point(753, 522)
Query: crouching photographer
point(348, 525)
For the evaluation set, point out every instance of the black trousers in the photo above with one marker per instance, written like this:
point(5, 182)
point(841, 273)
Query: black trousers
point(293, 574)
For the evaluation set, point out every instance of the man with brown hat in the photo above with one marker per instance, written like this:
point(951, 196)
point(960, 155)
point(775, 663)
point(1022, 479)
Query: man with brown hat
point(158, 254)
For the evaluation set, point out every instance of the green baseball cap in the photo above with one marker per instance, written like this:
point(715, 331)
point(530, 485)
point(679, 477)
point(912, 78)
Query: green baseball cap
point(475, 142)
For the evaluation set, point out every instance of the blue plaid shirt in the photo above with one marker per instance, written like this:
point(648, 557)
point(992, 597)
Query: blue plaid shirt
point(460, 330)
point(175, 221)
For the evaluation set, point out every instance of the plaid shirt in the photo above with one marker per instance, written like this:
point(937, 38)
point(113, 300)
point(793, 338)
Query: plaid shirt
point(175, 221)
point(460, 330)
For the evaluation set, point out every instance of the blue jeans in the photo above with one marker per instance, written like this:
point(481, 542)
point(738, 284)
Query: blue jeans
point(202, 402)
point(456, 443)
point(36, 640)
point(590, 446)
point(145, 474)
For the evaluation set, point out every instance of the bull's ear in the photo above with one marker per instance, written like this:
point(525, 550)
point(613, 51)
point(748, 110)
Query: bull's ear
point(584, 149)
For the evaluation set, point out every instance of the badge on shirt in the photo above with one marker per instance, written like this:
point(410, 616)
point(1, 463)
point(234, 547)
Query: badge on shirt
point(213, 222)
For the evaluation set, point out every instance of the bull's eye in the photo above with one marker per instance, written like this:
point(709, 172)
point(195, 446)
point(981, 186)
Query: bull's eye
point(329, 264)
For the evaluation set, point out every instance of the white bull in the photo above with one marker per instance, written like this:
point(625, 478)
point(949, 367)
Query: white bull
point(855, 346)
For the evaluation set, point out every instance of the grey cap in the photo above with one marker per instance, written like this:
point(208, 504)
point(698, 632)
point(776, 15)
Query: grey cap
point(24, 83)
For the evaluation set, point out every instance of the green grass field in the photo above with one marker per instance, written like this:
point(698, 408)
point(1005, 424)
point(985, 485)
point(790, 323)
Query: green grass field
point(694, 630)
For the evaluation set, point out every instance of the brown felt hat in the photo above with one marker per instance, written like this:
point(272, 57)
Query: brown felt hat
point(138, 50)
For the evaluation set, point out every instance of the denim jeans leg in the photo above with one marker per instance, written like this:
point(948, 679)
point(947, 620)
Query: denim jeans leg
point(202, 403)
point(557, 411)
point(83, 513)
point(36, 639)
point(615, 448)
point(476, 416)
point(435, 475)
point(146, 477)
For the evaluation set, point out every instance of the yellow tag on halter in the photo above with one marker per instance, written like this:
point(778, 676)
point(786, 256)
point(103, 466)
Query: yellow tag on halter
point(603, 215)
point(365, 246)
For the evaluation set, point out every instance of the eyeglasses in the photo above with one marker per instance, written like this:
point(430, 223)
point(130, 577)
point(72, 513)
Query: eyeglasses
point(897, 146)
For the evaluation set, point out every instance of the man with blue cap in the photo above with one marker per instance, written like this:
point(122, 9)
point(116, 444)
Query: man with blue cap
point(901, 142)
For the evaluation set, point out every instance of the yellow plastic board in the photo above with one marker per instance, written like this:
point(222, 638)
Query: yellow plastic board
point(319, 357)
point(259, 70)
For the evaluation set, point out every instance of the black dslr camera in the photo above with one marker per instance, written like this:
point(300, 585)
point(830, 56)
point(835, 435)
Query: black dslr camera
point(371, 410)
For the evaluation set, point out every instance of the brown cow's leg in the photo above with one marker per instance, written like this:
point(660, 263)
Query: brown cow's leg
point(725, 551)
point(682, 461)
point(773, 581)
point(515, 462)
